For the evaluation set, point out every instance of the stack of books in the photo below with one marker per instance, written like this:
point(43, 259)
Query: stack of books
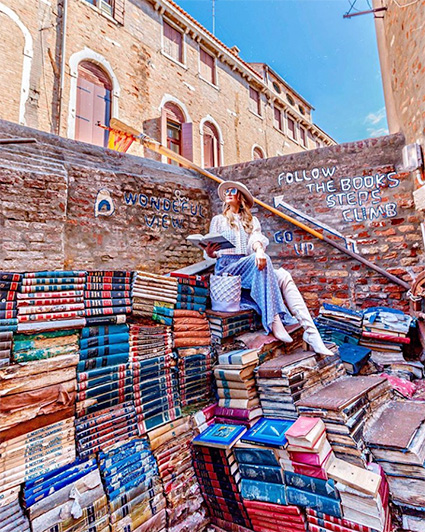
point(364, 494)
point(218, 475)
point(396, 438)
point(285, 379)
point(152, 292)
point(192, 291)
point(344, 406)
point(103, 349)
point(107, 297)
point(32, 391)
point(51, 300)
point(105, 428)
point(53, 344)
point(226, 324)
point(195, 376)
point(190, 328)
point(385, 329)
point(269, 517)
point(9, 286)
point(394, 363)
point(234, 375)
point(319, 521)
point(35, 452)
point(69, 498)
point(264, 483)
point(155, 376)
point(339, 325)
point(311, 492)
point(12, 516)
point(171, 446)
point(132, 484)
point(309, 449)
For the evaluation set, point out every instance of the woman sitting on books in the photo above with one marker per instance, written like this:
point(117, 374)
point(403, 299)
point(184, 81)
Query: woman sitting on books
point(262, 286)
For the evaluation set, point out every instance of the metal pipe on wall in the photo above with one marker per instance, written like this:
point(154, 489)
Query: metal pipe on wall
point(63, 61)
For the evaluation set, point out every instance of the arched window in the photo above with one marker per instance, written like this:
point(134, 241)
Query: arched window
point(94, 97)
point(178, 131)
point(211, 145)
point(258, 153)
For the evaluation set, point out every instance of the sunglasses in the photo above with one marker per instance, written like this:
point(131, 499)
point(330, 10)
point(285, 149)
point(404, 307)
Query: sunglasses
point(231, 191)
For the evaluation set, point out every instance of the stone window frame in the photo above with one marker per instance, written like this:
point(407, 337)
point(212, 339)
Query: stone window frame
point(28, 53)
point(168, 98)
point(259, 108)
point(260, 148)
point(209, 118)
point(182, 63)
point(89, 55)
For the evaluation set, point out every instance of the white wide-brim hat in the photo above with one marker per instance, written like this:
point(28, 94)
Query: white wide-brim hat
point(240, 186)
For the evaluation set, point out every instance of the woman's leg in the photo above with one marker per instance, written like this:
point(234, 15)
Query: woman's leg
point(263, 288)
point(297, 306)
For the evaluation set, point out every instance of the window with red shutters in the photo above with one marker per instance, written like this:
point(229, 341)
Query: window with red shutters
point(278, 119)
point(94, 98)
point(303, 137)
point(258, 153)
point(173, 42)
point(207, 67)
point(211, 146)
point(178, 133)
point(291, 128)
point(254, 100)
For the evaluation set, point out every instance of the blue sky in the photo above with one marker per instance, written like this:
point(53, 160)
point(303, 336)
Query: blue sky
point(331, 61)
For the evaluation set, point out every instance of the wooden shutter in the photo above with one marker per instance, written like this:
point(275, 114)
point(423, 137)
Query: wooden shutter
point(187, 143)
point(119, 10)
point(84, 115)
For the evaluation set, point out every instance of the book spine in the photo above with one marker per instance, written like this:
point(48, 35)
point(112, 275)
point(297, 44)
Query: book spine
point(8, 286)
point(113, 287)
point(8, 314)
point(106, 294)
point(123, 302)
point(8, 305)
point(36, 281)
point(50, 316)
point(6, 295)
point(99, 362)
point(50, 288)
point(106, 320)
point(10, 276)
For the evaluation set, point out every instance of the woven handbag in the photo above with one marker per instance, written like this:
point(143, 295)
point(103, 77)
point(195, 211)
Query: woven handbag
point(225, 292)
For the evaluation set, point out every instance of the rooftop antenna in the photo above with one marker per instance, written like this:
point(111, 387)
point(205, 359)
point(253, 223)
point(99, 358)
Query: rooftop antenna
point(213, 17)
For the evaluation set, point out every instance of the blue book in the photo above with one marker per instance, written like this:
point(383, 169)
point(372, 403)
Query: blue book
point(220, 436)
point(354, 357)
point(263, 473)
point(349, 311)
point(268, 432)
point(260, 457)
point(313, 500)
point(104, 330)
point(163, 320)
point(99, 341)
point(101, 362)
point(106, 350)
point(312, 484)
point(254, 490)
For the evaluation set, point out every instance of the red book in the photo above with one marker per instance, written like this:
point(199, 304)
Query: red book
point(268, 526)
point(335, 520)
point(272, 507)
point(305, 432)
point(310, 471)
point(312, 459)
point(386, 337)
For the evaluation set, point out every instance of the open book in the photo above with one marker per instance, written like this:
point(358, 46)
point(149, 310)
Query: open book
point(201, 241)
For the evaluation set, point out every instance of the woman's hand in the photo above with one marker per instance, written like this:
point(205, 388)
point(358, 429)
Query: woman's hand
point(211, 250)
point(260, 258)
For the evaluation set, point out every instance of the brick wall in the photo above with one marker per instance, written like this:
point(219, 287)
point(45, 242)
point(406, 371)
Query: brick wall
point(405, 42)
point(355, 190)
point(53, 208)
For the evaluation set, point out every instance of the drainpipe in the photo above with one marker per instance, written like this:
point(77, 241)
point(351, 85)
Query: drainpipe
point(62, 62)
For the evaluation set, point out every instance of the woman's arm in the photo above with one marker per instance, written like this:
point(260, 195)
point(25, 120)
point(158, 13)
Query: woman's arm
point(257, 243)
point(211, 249)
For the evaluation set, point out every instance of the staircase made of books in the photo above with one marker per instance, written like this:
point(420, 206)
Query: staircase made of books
point(106, 378)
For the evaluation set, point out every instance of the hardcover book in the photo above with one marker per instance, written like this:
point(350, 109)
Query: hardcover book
point(254, 490)
point(220, 436)
point(269, 432)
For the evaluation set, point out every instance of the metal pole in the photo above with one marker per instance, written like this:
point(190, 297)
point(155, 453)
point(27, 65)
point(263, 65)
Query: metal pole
point(376, 10)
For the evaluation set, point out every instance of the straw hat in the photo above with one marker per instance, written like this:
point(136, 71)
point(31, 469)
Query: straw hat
point(240, 186)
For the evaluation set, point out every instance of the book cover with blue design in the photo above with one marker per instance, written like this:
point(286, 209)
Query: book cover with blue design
point(254, 490)
point(220, 436)
point(269, 432)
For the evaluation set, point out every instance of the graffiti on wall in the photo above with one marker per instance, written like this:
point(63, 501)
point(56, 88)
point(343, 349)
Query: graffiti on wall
point(156, 212)
point(357, 198)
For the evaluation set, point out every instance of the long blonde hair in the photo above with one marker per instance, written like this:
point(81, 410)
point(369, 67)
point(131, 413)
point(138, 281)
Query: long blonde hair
point(245, 214)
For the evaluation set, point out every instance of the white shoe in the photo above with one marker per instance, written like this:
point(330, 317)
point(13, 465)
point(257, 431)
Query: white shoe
point(297, 306)
point(279, 330)
point(315, 341)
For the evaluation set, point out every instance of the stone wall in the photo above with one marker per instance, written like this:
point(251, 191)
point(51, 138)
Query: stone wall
point(356, 191)
point(65, 204)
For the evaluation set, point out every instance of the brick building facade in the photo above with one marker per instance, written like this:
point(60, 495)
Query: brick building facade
point(67, 64)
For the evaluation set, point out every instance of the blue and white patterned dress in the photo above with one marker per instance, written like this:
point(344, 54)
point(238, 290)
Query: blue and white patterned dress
point(260, 289)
